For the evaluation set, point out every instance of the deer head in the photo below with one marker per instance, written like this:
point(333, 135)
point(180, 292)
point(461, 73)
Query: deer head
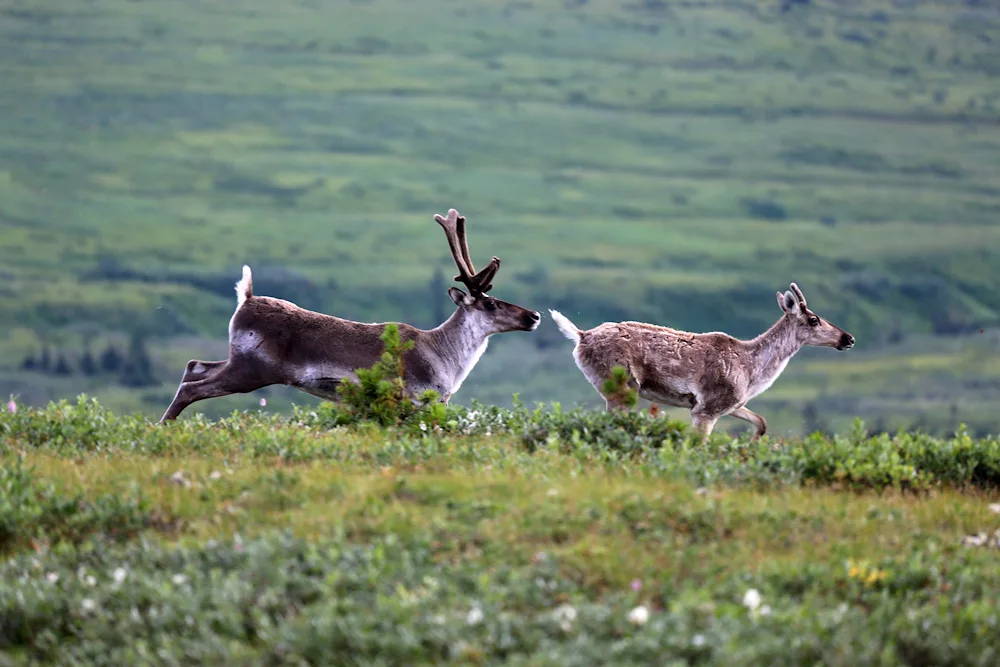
point(495, 315)
point(812, 329)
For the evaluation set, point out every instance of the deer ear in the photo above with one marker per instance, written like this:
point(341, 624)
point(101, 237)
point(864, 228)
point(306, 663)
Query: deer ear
point(787, 301)
point(459, 297)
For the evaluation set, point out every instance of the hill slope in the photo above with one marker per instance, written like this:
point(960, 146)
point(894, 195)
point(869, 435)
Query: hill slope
point(638, 160)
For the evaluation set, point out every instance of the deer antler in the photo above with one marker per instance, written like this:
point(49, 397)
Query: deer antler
point(798, 295)
point(454, 229)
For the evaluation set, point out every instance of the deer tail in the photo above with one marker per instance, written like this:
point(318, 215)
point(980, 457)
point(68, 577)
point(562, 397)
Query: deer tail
point(244, 288)
point(568, 328)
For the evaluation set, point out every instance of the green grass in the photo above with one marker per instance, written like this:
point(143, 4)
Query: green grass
point(616, 155)
point(261, 539)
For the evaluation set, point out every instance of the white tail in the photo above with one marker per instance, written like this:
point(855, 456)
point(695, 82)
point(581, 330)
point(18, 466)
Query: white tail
point(275, 342)
point(244, 288)
point(568, 328)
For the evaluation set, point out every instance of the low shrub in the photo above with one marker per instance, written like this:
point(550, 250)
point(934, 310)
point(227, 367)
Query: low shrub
point(282, 600)
point(660, 446)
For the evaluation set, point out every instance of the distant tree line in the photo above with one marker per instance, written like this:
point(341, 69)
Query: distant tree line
point(131, 367)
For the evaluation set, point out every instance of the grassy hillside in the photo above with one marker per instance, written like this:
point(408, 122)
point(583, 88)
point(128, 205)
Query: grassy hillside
point(625, 159)
point(490, 537)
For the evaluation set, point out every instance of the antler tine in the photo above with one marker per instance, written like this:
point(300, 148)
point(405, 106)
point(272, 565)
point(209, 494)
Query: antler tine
point(464, 241)
point(450, 226)
point(484, 278)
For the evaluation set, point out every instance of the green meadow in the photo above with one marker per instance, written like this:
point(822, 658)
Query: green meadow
point(489, 536)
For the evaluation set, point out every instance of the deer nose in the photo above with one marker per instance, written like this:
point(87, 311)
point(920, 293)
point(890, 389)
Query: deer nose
point(534, 316)
point(846, 341)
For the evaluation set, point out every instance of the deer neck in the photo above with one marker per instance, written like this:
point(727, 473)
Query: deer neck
point(770, 352)
point(459, 342)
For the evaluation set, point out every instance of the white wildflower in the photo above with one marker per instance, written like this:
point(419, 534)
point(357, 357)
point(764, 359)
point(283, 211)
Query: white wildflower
point(751, 599)
point(565, 615)
point(474, 617)
point(765, 610)
point(552, 493)
point(179, 579)
point(53, 577)
point(977, 540)
point(179, 479)
point(995, 508)
point(215, 475)
point(134, 615)
point(91, 580)
point(120, 574)
point(698, 641)
point(639, 615)
point(423, 427)
point(88, 605)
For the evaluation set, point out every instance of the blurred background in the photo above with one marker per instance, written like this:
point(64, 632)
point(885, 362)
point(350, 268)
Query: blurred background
point(670, 162)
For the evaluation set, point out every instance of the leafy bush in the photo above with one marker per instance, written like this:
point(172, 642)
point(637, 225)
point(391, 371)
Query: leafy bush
point(616, 388)
point(630, 432)
point(765, 209)
point(380, 393)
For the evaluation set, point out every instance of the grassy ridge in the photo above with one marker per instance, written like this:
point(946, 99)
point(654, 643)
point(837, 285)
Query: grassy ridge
point(523, 537)
point(625, 159)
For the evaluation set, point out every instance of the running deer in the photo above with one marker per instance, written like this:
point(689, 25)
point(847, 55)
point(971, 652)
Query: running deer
point(272, 341)
point(712, 374)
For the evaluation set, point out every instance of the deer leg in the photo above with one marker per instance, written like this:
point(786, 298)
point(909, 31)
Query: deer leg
point(753, 418)
point(703, 425)
point(199, 370)
point(710, 404)
point(225, 381)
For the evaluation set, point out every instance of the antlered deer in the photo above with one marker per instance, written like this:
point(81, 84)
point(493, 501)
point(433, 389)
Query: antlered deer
point(713, 374)
point(272, 341)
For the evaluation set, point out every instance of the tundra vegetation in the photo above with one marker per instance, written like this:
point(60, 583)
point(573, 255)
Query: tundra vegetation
point(628, 159)
point(379, 531)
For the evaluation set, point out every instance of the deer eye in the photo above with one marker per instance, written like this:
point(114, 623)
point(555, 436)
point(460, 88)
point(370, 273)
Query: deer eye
point(490, 304)
point(813, 321)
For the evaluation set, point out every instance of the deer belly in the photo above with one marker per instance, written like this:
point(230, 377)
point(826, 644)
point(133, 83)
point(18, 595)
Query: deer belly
point(666, 394)
point(321, 381)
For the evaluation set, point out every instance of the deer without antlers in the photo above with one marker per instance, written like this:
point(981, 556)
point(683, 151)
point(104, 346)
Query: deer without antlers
point(712, 374)
point(272, 341)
